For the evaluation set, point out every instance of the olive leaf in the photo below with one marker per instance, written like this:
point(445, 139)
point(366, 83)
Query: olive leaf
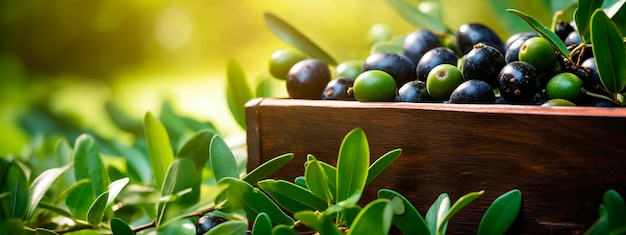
point(16, 184)
point(291, 196)
point(89, 165)
point(410, 222)
point(352, 164)
point(229, 227)
point(381, 164)
point(375, 218)
point(262, 224)
point(119, 227)
point(317, 180)
point(455, 208)
point(582, 17)
point(159, 148)
point(544, 31)
point(97, 209)
point(610, 56)
point(321, 222)
point(501, 213)
point(414, 16)
point(238, 92)
point(180, 176)
point(615, 210)
point(222, 159)
point(40, 186)
point(267, 168)
point(292, 36)
point(436, 213)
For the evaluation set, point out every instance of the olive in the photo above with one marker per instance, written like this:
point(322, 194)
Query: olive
point(349, 68)
point(520, 35)
point(483, 62)
point(374, 85)
point(307, 79)
point(338, 89)
point(512, 50)
point(417, 43)
point(538, 52)
point(282, 60)
point(563, 29)
point(413, 92)
point(470, 34)
point(518, 82)
point(432, 58)
point(472, 91)
point(207, 222)
point(442, 80)
point(398, 66)
point(558, 102)
point(565, 86)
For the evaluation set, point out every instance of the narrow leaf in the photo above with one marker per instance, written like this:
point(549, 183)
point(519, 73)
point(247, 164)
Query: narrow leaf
point(222, 159)
point(15, 183)
point(177, 179)
point(412, 14)
point(300, 181)
point(267, 168)
point(238, 92)
point(320, 222)
point(501, 213)
point(292, 36)
point(159, 148)
point(456, 207)
point(241, 195)
point(374, 219)
point(229, 227)
point(600, 227)
point(410, 222)
point(317, 181)
point(262, 224)
point(344, 205)
point(55, 209)
point(119, 227)
point(197, 148)
point(97, 210)
point(136, 162)
point(436, 212)
point(609, 52)
point(121, 119)
point(352, 164)
point(292, 197)
point(40, 186)
point(80, 199)
point(381, 164)
point(331, 174)
point(115, 188)
point(88, 164)
point(582, 17)
point(544, 31)
point(616, 210)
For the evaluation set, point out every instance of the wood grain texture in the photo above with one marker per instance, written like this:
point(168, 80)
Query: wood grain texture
point(563, 159)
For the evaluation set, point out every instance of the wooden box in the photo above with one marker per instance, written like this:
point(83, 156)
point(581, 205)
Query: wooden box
point(563, 159)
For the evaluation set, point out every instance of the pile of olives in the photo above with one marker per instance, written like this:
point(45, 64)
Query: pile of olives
point(472, 66)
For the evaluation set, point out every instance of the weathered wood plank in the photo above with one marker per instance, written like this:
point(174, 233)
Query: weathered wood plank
point(562, 159)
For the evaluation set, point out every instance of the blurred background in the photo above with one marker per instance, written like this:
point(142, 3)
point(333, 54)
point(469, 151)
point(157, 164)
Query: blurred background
point(70, 57)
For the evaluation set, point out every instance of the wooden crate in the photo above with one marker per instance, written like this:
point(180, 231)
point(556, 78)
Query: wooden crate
point(563, 159)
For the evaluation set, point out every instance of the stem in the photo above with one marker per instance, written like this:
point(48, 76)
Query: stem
point(603, 97)
point(555, 19)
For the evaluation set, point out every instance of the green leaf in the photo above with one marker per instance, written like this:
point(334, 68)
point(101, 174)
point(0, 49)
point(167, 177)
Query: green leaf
point(394, 45)
point(234, 227)
point(80, 199)
point(40, 186)
point(412, 14)
point(501, 213)
point(137, 163)
point(172, 122)
point(300, 181)
point(345, 204)
point(437, 212)
point(352, 164)
point(374, 219)
point(43, 231)
point(583, 15)
point(222, 159)
point(177, 179)
point(599, 227)
point(331, 174)
point(381, 164)
point(121, 119)
point(97, 210)
point(282, 229)
point(55, 209)
point(411, 222)
point(15, 183)
point(241, 195)
point(262, 224)
point(267, 168)
point(456, 207)
point(115, 188)
point(119, 227)
point(63, 153)
point(291, 196)
point(238, 92)
point(292, 36)
point(317, 180)
point(544, 31)
point(609, 52)
point(197, 148)
point(159, 148)
point(178, 227)
point(88, 164)
point(616, 210)
point(321, 222)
